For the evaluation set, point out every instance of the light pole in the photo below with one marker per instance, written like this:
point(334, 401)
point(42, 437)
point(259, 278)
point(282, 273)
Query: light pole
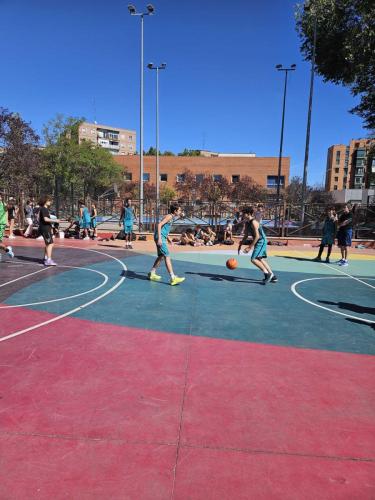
point(279, 67)
point(307, 144)
point(133, 12)
point(157, 68)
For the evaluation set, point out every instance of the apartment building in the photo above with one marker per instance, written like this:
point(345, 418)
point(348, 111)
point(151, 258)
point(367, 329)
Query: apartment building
point(263, 170)
point(350, 166)
point(118, 141)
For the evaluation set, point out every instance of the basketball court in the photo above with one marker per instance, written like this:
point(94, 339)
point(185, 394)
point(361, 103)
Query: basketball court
point(116, 387)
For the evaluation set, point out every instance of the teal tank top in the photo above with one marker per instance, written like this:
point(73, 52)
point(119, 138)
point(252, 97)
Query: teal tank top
point(128, 215)
point(165, 230)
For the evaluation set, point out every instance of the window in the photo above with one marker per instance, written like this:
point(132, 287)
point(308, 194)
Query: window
point(359, 171)
point(337, 170)
point(217, 177)
point(235, 178)
point(146, 177)
point(164, 177)
point(180, 178)
point(338, 154)
point(335, 188)
point(130, 137)
point(83, 130)
point(272, 181)
point(345, 171)
point(336, 179)
point(361, 153)
point(199, 178)
point(93, 131)
point(128, 176)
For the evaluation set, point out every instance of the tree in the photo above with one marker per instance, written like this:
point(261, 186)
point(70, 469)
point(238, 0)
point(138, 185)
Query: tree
point(190, 152)
point(246, 190)
point(86, 167)
point(345, 47)
point(168, 153)
point(187, 186)
point(214, 190)
point(167, 194)
point(314, 195)
point(151, 152)
point(20, 157)
point(149, 191)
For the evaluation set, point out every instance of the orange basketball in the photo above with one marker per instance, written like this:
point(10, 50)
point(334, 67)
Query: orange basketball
point(232, 263)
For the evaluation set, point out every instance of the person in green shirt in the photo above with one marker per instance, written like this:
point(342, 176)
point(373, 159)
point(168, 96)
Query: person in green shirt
point(3, 225)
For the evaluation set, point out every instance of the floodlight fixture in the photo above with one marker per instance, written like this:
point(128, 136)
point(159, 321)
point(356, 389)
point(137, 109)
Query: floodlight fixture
point(132, 10)
point(150, 8)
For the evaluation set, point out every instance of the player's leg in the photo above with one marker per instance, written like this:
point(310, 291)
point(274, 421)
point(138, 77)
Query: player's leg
point(328, 253)
point(319, 256)
point(175, 280)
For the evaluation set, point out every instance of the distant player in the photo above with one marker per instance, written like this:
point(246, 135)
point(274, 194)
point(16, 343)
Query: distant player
point(3, 225)
point(329, 231)
point(127, 217)
point(85, 219)
point(94, 214)
point(161, 237)
point(258, 245)
point(344, 233)
point(45, 228)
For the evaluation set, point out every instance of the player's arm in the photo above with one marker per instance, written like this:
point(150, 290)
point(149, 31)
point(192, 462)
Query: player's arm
point(245, 237)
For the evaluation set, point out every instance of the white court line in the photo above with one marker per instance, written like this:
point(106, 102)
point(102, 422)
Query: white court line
point(76, 309)
point(350, 276)
point(293, 288)
point(106, 278)
point(24, 276)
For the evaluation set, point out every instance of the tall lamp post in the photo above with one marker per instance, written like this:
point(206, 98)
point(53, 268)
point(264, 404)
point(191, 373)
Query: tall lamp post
point(280, 67)
point(133, 12)
point(307, 144)
point(157, 68)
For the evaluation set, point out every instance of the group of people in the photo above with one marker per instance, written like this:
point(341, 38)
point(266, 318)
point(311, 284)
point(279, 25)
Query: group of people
point(337, 227)
point(198, 237)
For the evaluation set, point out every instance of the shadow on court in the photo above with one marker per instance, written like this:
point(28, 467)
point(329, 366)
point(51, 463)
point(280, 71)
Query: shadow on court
point(350, 307)
point(224, 277)
point(302, 259)
point(361, 322)
point(131, 275)
point(29, 259)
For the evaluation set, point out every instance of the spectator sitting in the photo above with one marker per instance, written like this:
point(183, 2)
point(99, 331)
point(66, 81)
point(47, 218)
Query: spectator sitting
point(73, 230)
point(199, 234)
point(228, 231)
point(187, 238)
point(209, 236)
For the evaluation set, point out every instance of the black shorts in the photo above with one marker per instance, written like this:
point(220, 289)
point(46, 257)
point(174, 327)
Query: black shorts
point(46, 232)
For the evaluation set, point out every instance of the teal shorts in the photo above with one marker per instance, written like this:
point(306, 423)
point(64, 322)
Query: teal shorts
point(260, 250)
point(128, 227)
point(163, 251)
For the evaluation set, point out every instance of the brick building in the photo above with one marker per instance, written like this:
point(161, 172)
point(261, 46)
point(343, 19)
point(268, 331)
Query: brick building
point(118, 141)
point(349, 166)
point(262, 170)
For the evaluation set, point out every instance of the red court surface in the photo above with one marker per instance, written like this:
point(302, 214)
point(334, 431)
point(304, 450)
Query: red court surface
point(96, 410)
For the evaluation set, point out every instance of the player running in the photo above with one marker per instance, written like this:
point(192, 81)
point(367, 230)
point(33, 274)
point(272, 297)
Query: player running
point(161, 237)
point(258, 245)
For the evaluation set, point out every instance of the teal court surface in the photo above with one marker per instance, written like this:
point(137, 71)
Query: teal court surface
point(115, 387)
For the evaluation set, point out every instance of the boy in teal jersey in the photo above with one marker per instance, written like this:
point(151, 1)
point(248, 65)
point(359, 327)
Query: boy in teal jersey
point(258, 245)
point(85, 219)
point(161, 237)
point(127, 217)
point(329, 232)
point(3, 225)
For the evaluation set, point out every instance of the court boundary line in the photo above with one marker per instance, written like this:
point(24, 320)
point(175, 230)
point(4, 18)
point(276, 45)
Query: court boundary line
point(294, 286)
point(22, 277)
point(106, 278)
point(76, 309)
point(350, 276)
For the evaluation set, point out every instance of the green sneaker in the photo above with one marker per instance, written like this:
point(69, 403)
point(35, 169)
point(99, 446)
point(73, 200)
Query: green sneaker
point(176, 280)
point(154, 277)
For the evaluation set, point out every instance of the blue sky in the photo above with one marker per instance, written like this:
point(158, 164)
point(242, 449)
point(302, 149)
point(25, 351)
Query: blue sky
point(220, 90)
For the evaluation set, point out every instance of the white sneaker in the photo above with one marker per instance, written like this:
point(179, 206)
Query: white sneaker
point(12, 237)
point(86, 238)
point(39, 238)
point(343, 263)
point(10, 252)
